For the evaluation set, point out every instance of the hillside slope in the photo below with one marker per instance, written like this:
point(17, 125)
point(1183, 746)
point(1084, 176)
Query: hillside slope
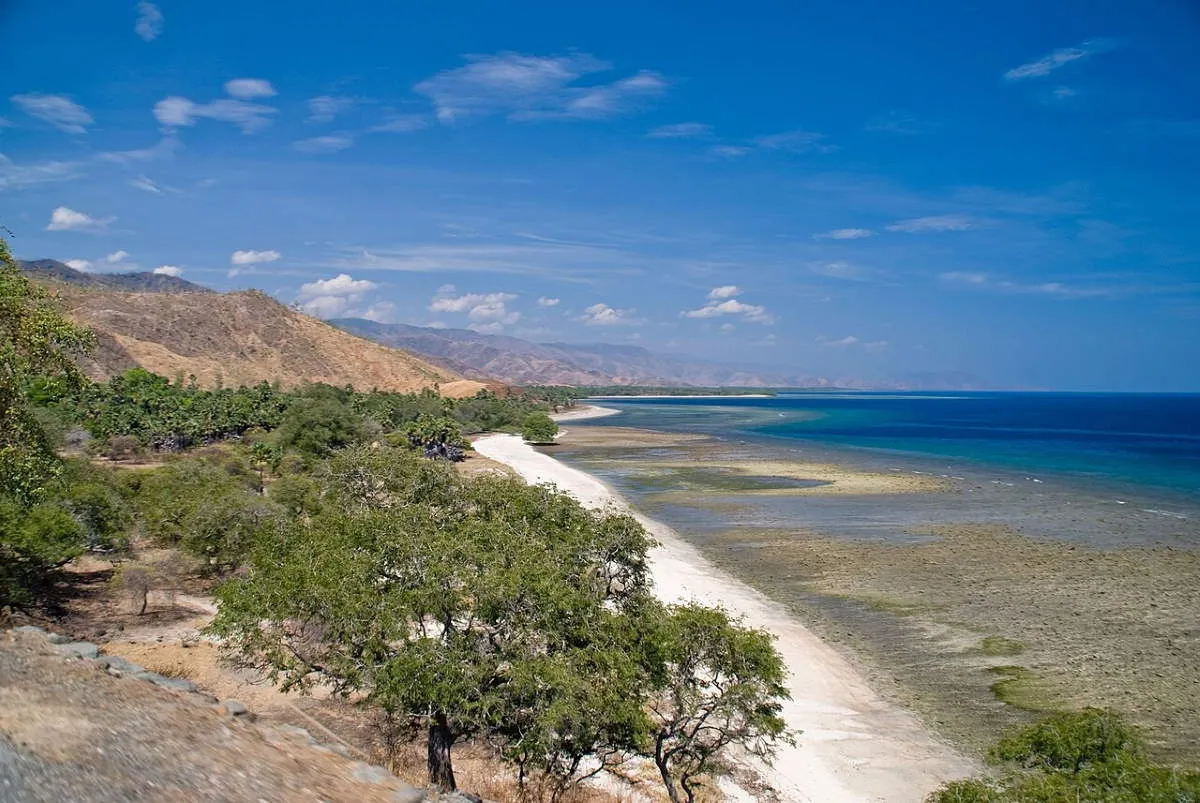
point(240, 338)
point(51, 270)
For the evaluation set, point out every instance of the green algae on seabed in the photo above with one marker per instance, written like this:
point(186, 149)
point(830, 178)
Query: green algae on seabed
point(1022, 689)
point(717, 479)
point(995, 646)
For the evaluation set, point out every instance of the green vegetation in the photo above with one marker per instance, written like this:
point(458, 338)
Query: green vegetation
point(38, 535)
point(1089, 755)
point(998, 646)
point(539, 428)
point(466, 607)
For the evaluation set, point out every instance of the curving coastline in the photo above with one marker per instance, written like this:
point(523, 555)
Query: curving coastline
point(855, 746)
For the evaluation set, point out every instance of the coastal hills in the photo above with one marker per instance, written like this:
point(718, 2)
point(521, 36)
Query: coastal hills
point(170, 325)
point(177, 328)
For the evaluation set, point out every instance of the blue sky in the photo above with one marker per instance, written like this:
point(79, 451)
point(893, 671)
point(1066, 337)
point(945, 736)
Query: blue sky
point(843, 188)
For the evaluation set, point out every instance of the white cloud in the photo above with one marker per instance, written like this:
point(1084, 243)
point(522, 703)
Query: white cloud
point(66, 219)
point(253, 257)
point(794, 141)
point(250, 117)
point(330, 298)
point(727, 327)
point(839, 269)
point(875, 346)
point(116, 256)
point(1064, 92)
point(331, 143)
point(1059, 58)
point(897, 122)
point(324, 108)
point(728, 151)
point(144, 184)
point(844, 234)
point(402, 124)
point(380, 312)
point(15, 177)
point(149, 22)
point(487, 311)
point(163, 149)
point(168, 270)
point(524, 87)
point(681, 131)
point(83, 265)
point(249, 88)
point(935, 223)
point(721, 302)
point(604, 315)
point(547, 302)
point(57, 110)
point(848, 340)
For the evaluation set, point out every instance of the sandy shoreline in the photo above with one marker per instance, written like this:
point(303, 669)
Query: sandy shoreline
point(855, 746)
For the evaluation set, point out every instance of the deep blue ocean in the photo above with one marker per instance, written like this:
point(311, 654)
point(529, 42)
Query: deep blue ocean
point(1149, 442)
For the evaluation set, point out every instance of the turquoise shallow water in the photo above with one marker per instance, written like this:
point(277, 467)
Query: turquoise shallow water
point(1137, 442)
point(1106, 471)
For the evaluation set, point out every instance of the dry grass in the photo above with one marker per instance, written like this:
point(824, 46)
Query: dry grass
point(242, 338)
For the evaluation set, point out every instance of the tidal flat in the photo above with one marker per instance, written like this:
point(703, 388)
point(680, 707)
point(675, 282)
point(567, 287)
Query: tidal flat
point(978, 599)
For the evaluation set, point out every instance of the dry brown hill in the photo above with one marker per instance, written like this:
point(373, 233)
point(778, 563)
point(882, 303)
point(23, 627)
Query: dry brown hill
point(241, 338)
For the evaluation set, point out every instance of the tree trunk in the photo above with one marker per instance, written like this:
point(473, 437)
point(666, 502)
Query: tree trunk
point(441, 771)
point(661, 760)
point(145, 601)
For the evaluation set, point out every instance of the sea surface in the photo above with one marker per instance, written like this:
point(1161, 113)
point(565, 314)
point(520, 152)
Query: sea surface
point(1109, 469)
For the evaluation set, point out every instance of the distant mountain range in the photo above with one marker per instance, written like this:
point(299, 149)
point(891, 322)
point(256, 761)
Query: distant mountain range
point(248, 336)
point(144, 282)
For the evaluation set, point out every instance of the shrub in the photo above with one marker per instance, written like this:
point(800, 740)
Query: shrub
point(539, 428)
point(1070, 741)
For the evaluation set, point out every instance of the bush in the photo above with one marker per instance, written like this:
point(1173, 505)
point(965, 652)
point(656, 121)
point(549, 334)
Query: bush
point(539, 428)
point(34, 543)
point(318, 426)
point(122, 447)
point(1071, 740)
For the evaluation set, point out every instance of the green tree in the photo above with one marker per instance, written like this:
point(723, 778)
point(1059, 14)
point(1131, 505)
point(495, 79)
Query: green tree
point(717, 685)
point(36, 342)
point(436, 438)
point(539, 428)
point(446, 602)
point(317, 426)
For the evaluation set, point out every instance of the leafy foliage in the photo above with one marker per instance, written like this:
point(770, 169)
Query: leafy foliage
point(539, 428)
point(1091, 755)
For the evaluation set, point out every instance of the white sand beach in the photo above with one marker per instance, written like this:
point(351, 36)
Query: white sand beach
point(854, 746)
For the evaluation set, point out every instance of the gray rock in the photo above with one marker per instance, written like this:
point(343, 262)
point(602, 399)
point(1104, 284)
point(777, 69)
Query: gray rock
point(371, 773)
point(119, 665)
point(233, 708)
point(79, 649)
point(178, 684)
point(57, 638)
point(409, 794)
point(30, 629)
point(460, 797)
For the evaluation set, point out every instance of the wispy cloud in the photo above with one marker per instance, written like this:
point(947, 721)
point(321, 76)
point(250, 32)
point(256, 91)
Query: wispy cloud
point(168, 270)
point(57, 110)
point(145, 184)
point(844, 234)
point(1058, 59)
point(798, 141)
point(249, 88)
point(401, 124)
point(898, 122)
point(17, 177)
point(547, 302)
point(324, 108)
point(66, 219)
point(175, 111)
point(935, 223)
point(681, 131)
point(331, 143)
point(852, 341)
point(722, 301)
point(522, 87)
point(728, 151)
point(149, 23)
point(163, 149)
point(840, 269)
point(984, 281)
